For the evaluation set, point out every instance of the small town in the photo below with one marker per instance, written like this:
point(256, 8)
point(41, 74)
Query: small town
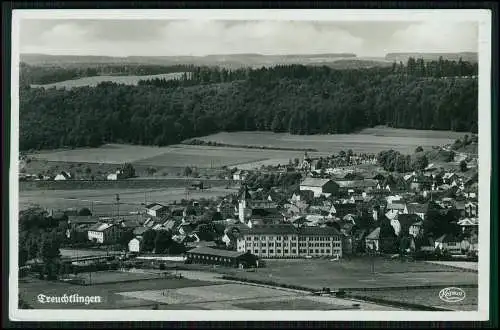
point(285, 164)
point(336, 209)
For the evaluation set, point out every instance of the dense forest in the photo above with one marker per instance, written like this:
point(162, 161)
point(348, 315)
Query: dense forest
point(298, 99)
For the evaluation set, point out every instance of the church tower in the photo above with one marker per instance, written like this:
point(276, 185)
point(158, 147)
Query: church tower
point(243, 199)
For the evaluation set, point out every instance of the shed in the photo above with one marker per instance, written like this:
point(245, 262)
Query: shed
point(206, 255)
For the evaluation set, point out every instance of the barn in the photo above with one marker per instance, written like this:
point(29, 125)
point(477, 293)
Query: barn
point(206, 255)
point(319, 187)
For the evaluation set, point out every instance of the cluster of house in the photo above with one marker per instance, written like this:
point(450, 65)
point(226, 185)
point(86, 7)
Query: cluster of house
point(323, 218)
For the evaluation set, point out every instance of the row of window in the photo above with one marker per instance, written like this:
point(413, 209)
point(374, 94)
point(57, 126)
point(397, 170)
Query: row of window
point(334, 244)
point(271, 251)
point(278, 238)
point(271, 244)
point(294, 251)
point(316, 251)
point(293, 238)
point(201, 257)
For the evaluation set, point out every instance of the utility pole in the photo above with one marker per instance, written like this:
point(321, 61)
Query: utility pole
point(118, 205)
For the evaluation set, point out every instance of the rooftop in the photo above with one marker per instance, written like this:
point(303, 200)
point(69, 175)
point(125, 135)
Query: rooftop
point(314, 182)
point(284, 229)
point(79, 219)
point(216, 252)
point(100, 227)
point(374, 234)
point(357, 183)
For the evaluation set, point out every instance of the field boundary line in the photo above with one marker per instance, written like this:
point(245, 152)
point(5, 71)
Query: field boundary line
point(395, 303)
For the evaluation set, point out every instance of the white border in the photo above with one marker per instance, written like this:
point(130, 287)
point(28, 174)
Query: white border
point(483, 17)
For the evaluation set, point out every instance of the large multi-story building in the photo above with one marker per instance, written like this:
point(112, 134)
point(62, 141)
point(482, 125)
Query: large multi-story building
point(287, 241)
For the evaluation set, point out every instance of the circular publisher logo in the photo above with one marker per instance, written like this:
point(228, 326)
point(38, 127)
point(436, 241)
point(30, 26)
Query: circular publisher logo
point(452, 294)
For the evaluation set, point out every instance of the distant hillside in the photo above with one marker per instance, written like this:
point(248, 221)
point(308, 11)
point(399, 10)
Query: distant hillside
point(233, 60)
point(295, 99)
point(403, 57)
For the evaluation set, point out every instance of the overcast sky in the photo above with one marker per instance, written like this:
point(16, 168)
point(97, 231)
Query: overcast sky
point(196, 37)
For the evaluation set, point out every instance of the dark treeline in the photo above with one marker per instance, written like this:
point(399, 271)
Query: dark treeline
point(200, 76)
point(40, 75)
point(436, 69)
point(295, 99)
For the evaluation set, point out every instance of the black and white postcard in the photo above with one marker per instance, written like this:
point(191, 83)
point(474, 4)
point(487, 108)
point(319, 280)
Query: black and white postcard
point(250, 165)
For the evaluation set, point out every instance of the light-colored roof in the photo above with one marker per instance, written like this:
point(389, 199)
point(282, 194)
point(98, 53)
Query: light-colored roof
point(374, 234)
point(468, 222)
point(395, 206)
point(156, 207)
point(100, 227)
point(314, 182)
point(357, 183)
point(216, 252)
point(79, 219)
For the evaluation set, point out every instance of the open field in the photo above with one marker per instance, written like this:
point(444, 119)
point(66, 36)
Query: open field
point(356, 273)
point(106, 154)
point(232, 296)
point(136, 183)
point(371, 140)
point(428, 297)
point(103, 201)
point(29, 289)
point(106, 277)
point(71, 253)
point(459, 264)
point(94, 81)
point(177, 156)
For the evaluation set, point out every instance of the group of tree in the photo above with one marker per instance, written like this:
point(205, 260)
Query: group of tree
point(465, 141)
point(436, 69)
point(266, 181)
point(394, 161)
point(40, 237)
point(296, 99)
point(161, 242)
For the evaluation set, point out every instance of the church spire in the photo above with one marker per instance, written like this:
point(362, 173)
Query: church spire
point(244, 193)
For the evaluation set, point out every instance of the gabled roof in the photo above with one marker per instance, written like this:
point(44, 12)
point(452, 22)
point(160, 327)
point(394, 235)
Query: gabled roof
point(171, 224)
point(156, 207)
point(216, 252)
point(130, 224)
point(314, 182)
point(374, 235)
point(78, 219)
point(357, 183)
point(395, 206)
point(468, 222)
point(449, 175)
point(101, 227)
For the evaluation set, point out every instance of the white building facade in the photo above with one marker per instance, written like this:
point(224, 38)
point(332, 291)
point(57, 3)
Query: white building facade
point(286, 241)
